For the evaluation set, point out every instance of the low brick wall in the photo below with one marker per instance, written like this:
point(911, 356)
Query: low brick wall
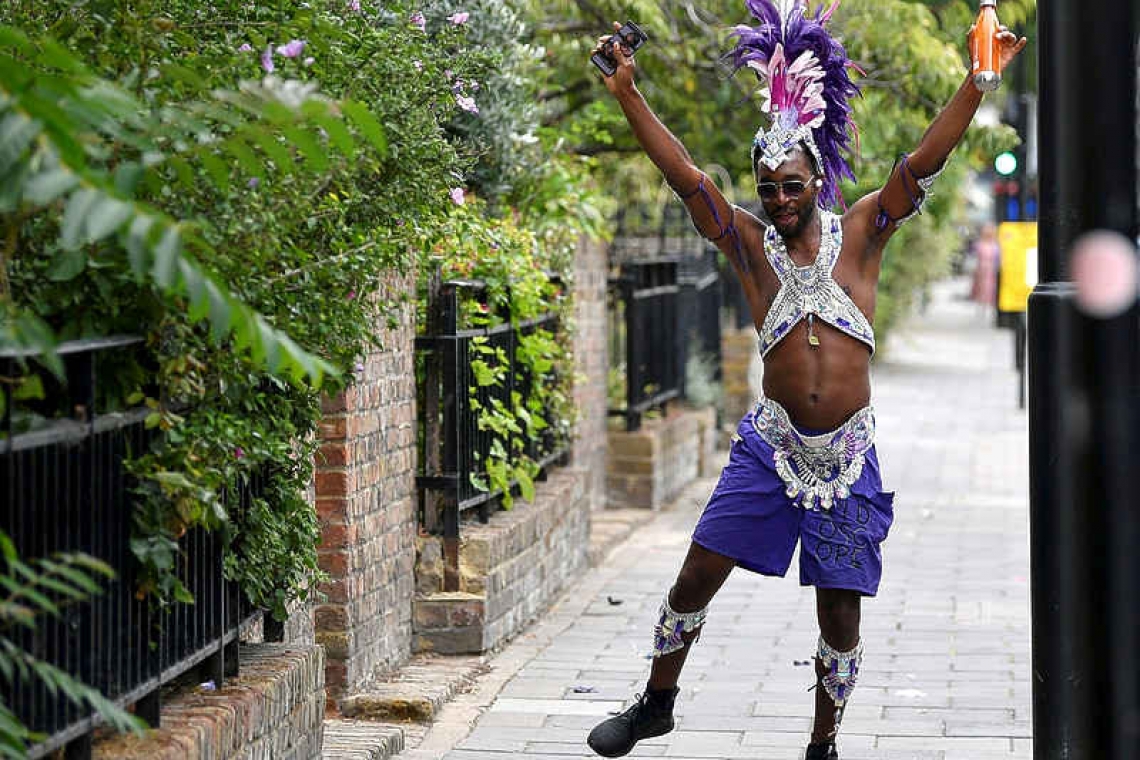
point(648, 468)
point(742, 373)
point(511, 569)
point(273, 709)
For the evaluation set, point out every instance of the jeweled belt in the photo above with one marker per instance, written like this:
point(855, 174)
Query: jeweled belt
point(820, 468)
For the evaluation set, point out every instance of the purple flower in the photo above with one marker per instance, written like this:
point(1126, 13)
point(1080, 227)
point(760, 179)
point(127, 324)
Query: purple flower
point(418, 21)
point(354, 6)
point(245, 47)
point(253, 183)
point(267, 60)
point(466, 103)
point(417, 65)
point(459, 18)
point(351, 295)
point(309, 61)
point(292, 49)
point(239, 453)
point(448, 73)
point(474, 86)
point(359, 367)
point(457, 196)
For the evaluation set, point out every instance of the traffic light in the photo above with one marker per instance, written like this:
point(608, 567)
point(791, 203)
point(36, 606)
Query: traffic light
point(1005, 163)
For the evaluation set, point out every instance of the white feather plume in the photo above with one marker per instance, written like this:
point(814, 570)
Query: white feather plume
point(785, 7)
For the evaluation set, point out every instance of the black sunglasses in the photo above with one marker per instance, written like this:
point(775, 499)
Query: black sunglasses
point(792, 188)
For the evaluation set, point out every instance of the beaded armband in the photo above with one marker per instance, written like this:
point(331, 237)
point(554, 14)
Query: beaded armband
point(841, 670)
point(723, 230)
point(918, 195)
point(671, 624)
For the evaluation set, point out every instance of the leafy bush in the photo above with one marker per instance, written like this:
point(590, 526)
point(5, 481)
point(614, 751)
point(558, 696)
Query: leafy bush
point(279, 202)
point(524, 278)
point(31, 591)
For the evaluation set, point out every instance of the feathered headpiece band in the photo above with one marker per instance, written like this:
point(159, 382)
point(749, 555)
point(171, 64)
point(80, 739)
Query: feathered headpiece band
point(805, 87)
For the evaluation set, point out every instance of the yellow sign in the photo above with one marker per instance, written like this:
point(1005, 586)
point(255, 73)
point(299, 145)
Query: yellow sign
point(1018, 242)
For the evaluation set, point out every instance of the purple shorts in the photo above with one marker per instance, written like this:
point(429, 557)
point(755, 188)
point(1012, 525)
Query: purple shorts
point(751, 519)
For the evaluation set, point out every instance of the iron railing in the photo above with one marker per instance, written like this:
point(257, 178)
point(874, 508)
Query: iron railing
point(644, 333)
point(699, 312)
point(65, 489)
point(453, 448)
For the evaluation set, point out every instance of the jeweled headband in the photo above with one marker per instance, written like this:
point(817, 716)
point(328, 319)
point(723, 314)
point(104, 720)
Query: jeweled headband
point(804, 86)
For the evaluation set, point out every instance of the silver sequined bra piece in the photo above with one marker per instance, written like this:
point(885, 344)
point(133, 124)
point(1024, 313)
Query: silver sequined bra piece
point(817, 470)
point(811, 290)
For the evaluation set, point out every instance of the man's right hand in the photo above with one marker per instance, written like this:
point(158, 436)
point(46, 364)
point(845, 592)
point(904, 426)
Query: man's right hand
point(622, 78)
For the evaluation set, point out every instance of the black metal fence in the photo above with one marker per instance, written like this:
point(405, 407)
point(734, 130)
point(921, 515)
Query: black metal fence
point(643, 313)
point(453, 448)
point(700, 313)
point(65, 489)
point(665, 307)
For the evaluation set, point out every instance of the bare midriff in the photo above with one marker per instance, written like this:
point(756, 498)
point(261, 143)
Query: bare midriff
point(819, 386)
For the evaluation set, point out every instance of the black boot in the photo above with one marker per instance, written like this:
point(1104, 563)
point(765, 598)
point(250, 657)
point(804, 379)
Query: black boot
point(822, 751)
point(651, 714)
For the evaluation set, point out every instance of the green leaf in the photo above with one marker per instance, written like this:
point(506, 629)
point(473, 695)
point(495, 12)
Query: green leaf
point(45, 187)
point(220, 310)
point(218, 171)
point(309, 146)
point(273, 147)
point(138, 245)
point(182, 171)
point(366, 122)
point(67, 264)
point(246, 158)
point(106, 216)
point(166, 255)
point(16, 134)
point(84, 560)
point(11, 37)
point(184, 75)
point(338, 133)
point(526, 483)
point(54, 55)
point(75, 217)
point(78, 578)
point(7, 548)
point(127, 177)
point(31, 387)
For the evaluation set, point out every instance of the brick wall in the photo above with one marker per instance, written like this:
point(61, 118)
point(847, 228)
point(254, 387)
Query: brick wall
point(650, 467)
point(274, 708)
point(510, 569)
point(365, 487)
point(591, 351)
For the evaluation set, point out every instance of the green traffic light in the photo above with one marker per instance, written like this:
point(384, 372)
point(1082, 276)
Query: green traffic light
point(1005, 164)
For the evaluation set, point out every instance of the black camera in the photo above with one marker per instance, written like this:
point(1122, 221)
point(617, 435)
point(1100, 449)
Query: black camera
point(631, 38)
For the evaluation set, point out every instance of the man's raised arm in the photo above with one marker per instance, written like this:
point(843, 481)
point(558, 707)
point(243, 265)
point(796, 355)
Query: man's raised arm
point(906, 187)
point(711, 213)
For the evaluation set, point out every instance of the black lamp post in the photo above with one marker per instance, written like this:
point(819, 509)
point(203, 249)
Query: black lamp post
point(1084, 395)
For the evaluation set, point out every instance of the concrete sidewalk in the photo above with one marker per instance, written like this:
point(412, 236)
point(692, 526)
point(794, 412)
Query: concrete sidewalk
point(947, 667)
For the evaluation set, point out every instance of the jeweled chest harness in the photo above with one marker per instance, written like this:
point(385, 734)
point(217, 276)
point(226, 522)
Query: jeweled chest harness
point(810, 291)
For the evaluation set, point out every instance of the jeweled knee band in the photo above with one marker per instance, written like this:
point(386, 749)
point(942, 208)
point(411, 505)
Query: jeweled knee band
point(671, 624)
point(841, 670)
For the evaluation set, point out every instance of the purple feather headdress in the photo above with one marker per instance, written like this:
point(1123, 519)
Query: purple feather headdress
point(805, 88)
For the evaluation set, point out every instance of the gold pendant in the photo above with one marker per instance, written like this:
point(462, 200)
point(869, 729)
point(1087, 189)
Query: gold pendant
point(812, 340)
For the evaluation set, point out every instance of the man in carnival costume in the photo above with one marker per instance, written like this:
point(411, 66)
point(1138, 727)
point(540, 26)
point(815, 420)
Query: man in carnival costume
point(803, 465)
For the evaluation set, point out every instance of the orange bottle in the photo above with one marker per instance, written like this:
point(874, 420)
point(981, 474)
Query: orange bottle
point(984, 51)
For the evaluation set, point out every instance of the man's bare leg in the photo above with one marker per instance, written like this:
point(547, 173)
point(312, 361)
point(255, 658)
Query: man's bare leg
point(838, 611)
point(701, 576)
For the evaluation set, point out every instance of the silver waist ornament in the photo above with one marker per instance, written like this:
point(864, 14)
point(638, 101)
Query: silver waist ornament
point(817, 468)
